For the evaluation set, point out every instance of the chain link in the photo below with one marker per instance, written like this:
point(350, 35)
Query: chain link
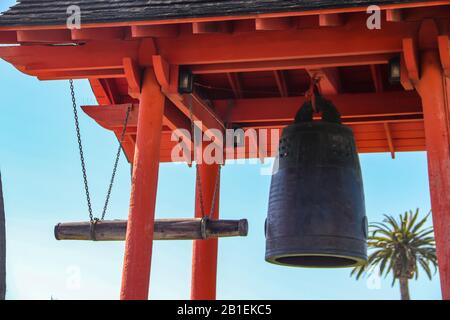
point(216, 191)
point(83, 164)
point(80, 147)
point(116, 162)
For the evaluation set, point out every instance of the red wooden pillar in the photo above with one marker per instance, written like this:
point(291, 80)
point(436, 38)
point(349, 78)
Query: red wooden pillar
point(434, 88)
point(139, 239)
point(204, 255)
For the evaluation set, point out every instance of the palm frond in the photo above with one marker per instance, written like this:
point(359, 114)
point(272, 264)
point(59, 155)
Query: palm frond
point(399, 247)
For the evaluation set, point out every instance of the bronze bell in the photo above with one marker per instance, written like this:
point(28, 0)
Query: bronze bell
point(316, 215)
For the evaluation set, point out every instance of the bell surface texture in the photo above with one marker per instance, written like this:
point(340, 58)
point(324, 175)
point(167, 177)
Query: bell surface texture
point(316, 216)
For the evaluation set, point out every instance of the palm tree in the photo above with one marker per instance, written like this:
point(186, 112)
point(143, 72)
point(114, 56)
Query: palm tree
point(400, 247)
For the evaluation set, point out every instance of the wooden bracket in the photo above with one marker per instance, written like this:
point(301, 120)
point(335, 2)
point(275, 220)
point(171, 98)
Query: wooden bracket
point(162, 71)
point(271, 24)
point(133, 74)
point(428, 38)
point(166, 75)
point(404, 77)
point(331, 20)
point(411, 60)
point(211, 27)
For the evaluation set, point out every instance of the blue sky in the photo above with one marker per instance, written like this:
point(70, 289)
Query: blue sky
point(43, 186)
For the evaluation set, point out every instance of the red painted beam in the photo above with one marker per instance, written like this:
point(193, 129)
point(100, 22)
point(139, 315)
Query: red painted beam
point(105, 91)
point(329, 83)
point(292, 64)
point(235, 84)
point(139, 238)
point(111, 117)
point(8, 37)
point(94, 55)
point(444, 53)
point(402, 110)
point(287, 44)
point(80, 74)
point(353, 107)
point(337, 42)
point(434, 88)
point(377, 79)
point(407, 135)
point(281, 83)
point(204, 253)
point(115, 33)
point(44, 36)
point(366, 105)
point(168, 30)
point(188, 103)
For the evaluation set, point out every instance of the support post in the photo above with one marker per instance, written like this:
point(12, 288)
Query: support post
point(204, 255)
point(2, 245)
point(434, 89)
point(139, 237)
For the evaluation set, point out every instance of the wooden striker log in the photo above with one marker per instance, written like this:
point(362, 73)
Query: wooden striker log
point(165, 229)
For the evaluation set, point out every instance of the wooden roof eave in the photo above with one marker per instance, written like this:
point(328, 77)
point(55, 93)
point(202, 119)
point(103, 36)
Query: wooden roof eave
point(324, 11)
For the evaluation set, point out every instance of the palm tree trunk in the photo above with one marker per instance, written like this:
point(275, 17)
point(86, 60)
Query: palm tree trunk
point(2, 245)
point(404, 289)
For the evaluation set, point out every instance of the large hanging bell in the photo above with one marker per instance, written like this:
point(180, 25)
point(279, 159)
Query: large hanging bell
point(316, 215)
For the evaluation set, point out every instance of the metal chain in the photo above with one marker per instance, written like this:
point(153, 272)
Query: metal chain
point(199, 186)
point(83, 164)
point(216, 191)
point(116, 162)
point(197, 168)
point(80, 147)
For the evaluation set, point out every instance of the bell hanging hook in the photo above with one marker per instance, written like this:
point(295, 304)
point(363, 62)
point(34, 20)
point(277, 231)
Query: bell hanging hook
point(313, 90)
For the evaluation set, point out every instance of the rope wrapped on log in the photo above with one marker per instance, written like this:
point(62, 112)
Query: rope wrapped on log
point(164, 229)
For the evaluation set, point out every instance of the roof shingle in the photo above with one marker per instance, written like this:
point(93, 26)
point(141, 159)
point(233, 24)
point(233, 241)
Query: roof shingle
point(54, 12)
